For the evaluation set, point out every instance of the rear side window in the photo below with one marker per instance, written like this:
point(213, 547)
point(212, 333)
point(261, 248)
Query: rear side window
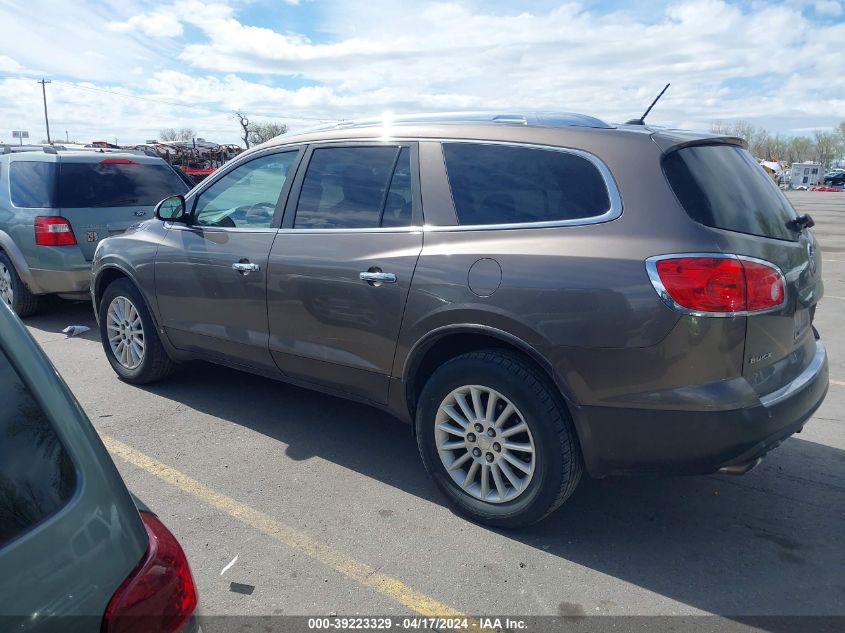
point(33, 184)
point(722, 186)
point(116, 182)
point(356, 188)
point(504, 184)
point(36, 475)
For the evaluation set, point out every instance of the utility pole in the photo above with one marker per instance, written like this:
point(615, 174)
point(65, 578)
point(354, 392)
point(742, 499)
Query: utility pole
point(43, 83)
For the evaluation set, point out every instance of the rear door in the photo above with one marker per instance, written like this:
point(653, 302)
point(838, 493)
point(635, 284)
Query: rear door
point(721, 186)
point(341, 267)
point(103, 195)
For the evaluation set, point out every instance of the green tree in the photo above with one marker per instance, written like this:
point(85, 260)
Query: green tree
point(828, 147)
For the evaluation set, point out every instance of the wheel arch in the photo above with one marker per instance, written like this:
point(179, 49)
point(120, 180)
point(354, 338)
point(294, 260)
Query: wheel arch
point(445, 343)
point(110, 272)
point(16, 256)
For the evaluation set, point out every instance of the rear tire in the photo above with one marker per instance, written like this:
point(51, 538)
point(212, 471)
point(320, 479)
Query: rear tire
point(13, 291)
point(524, 444)
point(129, 335)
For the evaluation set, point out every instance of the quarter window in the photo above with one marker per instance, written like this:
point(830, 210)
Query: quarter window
point(247, 196)
point(356, 188)
point(32, 184)
point(504, 184)
point(36, 475)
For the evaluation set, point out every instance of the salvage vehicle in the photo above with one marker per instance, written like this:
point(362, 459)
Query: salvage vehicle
point(78, 553)
point(55, 207)
point(538, 295)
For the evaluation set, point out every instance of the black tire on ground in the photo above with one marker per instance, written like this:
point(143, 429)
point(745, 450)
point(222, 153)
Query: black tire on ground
point(155, 364)
point(558, 462)
point(24, 303)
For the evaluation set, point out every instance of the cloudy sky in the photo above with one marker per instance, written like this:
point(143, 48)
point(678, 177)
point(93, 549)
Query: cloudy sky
point(127, 68)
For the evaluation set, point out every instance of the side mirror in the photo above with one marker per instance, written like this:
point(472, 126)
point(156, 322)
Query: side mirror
point(172, 209)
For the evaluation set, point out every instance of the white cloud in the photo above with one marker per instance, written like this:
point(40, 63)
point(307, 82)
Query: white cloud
point(159, 23)
point(7, 64)
point(828, 7)
point(768, 63)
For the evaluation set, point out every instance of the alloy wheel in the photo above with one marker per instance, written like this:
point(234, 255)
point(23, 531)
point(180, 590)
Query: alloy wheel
point(126, 332)
point(484, 444)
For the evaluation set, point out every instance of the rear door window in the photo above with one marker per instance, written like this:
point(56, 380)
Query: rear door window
point(356, 188)
point(32, 184)
point(505, 184)
point(37, 477)
point(723, 186)
point(116, 182)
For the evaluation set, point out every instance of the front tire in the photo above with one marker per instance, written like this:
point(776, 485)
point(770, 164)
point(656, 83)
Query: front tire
point(496, 438)
point(13, 291)
point(129, 336)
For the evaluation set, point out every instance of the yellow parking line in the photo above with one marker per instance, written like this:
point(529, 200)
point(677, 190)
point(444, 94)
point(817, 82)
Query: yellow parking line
point(833, 297)
point(841, 383)
point(329, 556)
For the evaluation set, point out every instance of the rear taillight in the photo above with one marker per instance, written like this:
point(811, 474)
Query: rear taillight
point(53, 230)
point(159, 594)
point(717, 285)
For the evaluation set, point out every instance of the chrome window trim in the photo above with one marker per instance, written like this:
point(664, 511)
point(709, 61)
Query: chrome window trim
point(613, 193)
point(179, 226)
point(375, 229)
point(651, 269)
point(800, 381)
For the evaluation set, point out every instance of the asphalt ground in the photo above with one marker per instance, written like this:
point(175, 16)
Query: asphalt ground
point(328, 510)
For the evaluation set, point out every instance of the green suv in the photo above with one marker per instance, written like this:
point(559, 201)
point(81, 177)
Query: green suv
point(56, 206)
point(77, 552)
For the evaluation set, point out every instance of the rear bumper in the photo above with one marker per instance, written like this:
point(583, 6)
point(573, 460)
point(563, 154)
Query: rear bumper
point(74, 280)
point(622, 440)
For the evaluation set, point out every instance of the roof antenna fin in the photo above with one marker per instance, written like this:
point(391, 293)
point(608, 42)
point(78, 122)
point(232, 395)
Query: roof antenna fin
point(641, 120)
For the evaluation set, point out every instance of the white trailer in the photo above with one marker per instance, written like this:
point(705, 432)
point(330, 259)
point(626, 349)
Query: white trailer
point(805, 174)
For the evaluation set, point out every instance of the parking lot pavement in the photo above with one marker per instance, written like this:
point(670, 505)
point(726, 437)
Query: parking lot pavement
point(328, 509)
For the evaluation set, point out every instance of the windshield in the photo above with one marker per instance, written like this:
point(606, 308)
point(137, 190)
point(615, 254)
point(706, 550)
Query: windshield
point(116, 184)
point(722, 186)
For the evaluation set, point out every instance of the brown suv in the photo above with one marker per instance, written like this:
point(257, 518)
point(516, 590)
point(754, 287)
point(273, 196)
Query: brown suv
point(537, 295)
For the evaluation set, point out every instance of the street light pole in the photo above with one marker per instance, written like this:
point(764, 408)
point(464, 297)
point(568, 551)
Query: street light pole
point(46, 120)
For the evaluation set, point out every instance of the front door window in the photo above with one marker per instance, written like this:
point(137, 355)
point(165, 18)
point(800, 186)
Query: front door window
point(247, 196)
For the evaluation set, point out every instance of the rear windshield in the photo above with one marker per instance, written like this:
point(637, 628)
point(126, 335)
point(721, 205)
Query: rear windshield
point(108, 184)
point(104, 184)
point(36, 475)
point(722, 186)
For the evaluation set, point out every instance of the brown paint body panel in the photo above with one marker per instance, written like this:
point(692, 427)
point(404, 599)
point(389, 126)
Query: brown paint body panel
point(649, 389)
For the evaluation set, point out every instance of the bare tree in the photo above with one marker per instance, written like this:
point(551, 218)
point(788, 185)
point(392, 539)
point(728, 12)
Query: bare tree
point(739, 128)
point(244, 122)
point(172, 134)
point(261, 132)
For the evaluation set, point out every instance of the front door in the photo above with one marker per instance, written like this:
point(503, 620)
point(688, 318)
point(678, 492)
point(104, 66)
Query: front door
point(340, 268)
point(211, 275)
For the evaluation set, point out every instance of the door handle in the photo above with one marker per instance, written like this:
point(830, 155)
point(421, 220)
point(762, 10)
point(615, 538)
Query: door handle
point(377, 277)
point(245, 267)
